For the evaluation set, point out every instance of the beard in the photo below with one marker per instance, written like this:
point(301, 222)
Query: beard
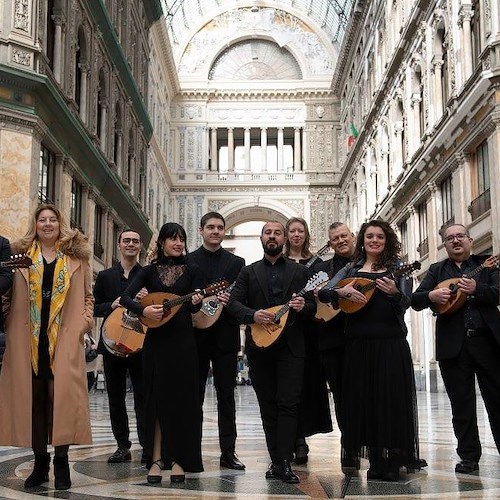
point(272, 251)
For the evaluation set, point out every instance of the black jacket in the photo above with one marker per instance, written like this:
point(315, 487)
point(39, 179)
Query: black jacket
point(251, 294)
point(5, 284)
point(226, 329)
point(450, 327)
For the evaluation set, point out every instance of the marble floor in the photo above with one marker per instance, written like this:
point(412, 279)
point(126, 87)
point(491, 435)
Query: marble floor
point(94, 478)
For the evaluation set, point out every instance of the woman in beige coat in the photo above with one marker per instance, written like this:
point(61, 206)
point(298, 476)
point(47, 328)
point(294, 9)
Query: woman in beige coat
point(43, 384)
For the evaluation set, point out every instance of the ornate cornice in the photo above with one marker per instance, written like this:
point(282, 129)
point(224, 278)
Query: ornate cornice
point(255, 94)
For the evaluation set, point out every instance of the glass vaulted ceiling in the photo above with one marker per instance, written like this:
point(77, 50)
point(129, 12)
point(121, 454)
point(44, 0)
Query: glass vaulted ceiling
point(185, 17)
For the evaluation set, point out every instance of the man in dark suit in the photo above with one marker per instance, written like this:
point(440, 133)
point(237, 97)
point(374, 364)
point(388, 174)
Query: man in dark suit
point(219, 344)
point(467, 340)
point(276, 371)
point(109, 286)
point(331, 334)
point(5, 284)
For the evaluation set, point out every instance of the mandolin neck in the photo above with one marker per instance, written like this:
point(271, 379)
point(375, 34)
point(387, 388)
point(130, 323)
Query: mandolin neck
point(285, 308)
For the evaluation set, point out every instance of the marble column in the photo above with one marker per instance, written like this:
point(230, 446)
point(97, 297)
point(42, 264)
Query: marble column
point(280, 149)
point(119, 152)
point(464, 19)
point(437, 64)
point(214, 153)
point(84, 68)
point(433, 222)
point(246, 144)
point(296, 150)
point(263, 149)
point(102, 125)
point(230, 150)
point(57, 62)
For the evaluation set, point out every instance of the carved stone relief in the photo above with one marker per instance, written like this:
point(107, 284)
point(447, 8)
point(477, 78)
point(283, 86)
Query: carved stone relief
point(21, 57)
point(21, 15)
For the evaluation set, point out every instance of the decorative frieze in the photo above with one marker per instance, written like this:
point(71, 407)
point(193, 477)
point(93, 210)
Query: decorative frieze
point(22, 57)
point(21, 15)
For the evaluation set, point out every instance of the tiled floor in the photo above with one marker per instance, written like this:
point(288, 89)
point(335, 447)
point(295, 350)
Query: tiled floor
point(94, 478)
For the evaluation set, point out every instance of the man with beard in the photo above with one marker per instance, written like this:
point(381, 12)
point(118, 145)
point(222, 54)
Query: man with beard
point(219, 343)
point(276, 371)
point(467, 340)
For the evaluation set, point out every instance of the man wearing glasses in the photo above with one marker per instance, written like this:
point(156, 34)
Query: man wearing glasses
point(109, 286)
point(467, 340)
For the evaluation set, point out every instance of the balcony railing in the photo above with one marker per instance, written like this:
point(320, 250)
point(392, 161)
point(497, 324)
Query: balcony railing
point(480, 205)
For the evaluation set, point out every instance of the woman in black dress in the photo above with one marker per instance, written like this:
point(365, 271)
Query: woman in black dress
point(170, 364)
point(379, 411)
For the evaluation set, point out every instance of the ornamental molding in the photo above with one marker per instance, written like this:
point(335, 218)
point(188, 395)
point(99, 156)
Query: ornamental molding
point(255, 94)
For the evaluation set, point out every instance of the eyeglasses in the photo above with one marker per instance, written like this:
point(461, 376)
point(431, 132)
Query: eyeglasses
point(127, 241)
point(458, 236)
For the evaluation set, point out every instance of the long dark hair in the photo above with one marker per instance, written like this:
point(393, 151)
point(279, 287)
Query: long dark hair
point(167, 231)
point(392, 248)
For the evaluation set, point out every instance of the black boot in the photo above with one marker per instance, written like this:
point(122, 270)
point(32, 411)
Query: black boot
point(62, 480)
point(40, 472)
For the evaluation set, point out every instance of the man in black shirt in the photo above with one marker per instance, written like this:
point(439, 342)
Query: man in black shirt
point(219, 344)
point(5, 284)
point(467, 340)
point(109, 286)
point(276, 371)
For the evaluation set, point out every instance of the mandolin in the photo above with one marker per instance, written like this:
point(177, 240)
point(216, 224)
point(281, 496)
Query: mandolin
point(367, 286)
point(17, 261)
point(457, 298)
point(266, 334)
point(123, 333)
point(172, 303)
point(210, 311)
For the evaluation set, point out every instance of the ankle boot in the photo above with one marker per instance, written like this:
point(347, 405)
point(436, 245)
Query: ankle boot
point(40, 472)
point(62, 480)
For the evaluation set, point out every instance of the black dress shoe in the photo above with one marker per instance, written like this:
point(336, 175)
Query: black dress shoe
point(301, 454)
point(350, 465)
point(466, 467)
point(229, 460)
point(373, 473)
point(40, 472)
point(119, 456)
point(283, 470)
point(271, 472)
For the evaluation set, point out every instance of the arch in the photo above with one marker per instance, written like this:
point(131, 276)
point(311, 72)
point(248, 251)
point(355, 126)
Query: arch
point(249, 209)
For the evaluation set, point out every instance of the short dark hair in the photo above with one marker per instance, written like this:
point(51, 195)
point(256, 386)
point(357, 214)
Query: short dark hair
point(443, 230)
point(211, 215)
point(128, 230)
point(335, 225)
point(273, 222)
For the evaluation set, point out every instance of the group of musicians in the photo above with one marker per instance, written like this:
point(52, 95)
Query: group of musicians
point(358, 349)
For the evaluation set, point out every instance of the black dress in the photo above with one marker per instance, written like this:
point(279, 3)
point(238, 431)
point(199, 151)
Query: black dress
point(379, 412)
point(170, 366)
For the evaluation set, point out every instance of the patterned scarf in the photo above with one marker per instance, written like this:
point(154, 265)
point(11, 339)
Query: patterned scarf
point(59, 289)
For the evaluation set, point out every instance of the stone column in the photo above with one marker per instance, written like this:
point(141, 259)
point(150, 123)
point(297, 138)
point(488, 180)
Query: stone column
point(433, 223)
point(119, 152)
point(494, 154)
point(464, 19)
point(398, 151)
point(84, 68)
point(263, 149)
point(246, 143)
point(296, 150)
point(102, 125)
point(214, 151)
point(57, 63)
point(280, 149)
point(230, 150)
point(437, 64)
point(416, 134)
point(462, 189)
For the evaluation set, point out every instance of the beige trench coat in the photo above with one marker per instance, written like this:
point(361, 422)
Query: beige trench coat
point(71, 419)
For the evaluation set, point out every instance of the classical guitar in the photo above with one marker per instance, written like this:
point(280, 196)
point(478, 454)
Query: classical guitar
point(210, 311)
point(457, 297)
point(172, 303)
point(123, 333)
point(266, 334)
point(17, 261)
point(367, 286)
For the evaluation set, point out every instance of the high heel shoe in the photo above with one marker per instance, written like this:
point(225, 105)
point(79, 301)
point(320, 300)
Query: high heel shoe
point(154, 478)
point(177, 478)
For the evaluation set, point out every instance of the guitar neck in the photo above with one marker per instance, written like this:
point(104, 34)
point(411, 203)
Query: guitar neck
point(393, 275)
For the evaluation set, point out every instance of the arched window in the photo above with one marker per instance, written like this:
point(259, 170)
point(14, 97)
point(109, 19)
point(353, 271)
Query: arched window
point(118, 142)
point(80, 72)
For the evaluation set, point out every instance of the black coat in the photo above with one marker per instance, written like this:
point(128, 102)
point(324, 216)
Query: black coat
point(226, 329)
point(5, 284)
point(450, 327)
point(251, 294)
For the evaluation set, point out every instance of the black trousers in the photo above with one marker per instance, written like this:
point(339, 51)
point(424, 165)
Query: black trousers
point(479, 357)
point(115, 372)
point(277, 377)
point(332, 368)
point(225, 370)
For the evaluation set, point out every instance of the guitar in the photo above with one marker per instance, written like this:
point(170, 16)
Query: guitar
point(17, 261)
point(123, 333)
point(172, 303)
point(210, 311)
point(458, 298)
point(367, 286)
point(266, 334)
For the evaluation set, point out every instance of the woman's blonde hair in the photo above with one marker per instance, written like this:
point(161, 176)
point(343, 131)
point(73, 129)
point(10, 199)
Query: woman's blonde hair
point(71, 241)
point(305, 252)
